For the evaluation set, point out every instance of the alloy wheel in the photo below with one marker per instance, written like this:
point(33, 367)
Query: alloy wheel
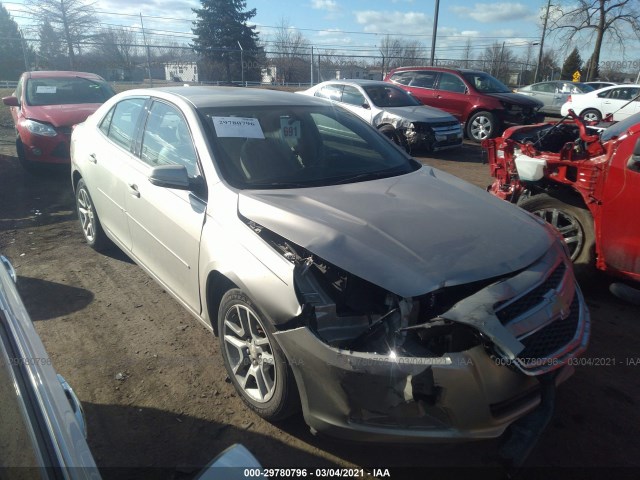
point(567, 225)
point(250, 353)
point(86, 214)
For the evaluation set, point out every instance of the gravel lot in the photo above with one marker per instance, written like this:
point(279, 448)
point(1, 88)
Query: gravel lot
point(155, 393)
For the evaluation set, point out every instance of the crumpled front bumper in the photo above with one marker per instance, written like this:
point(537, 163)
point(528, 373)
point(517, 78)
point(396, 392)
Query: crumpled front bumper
point(380, 398)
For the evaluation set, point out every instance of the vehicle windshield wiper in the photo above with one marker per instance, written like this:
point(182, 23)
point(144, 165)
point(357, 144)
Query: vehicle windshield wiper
point(260, 186)
point(363, 177)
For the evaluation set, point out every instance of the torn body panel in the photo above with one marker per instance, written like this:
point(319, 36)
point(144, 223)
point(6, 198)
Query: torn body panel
point(440, 133)
point(374, 397)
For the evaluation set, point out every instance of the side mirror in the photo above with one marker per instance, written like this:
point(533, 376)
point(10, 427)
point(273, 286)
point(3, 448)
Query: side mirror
point(231, 465)
point(10, 270)
point(11, 101)
point(175, 176)
point(366, 105)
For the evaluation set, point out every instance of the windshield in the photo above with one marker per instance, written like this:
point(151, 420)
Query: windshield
point(66, 91)
point(388, 96)
point(299, 146)
point(485, 83)
point(619, 128)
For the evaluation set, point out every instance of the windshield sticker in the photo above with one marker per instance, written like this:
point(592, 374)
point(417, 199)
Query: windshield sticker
point(289, 128)
point(237, 127)
point(45, 89)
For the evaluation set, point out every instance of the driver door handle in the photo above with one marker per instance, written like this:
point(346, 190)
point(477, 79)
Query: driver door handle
point(133, 190)
point(92, 158)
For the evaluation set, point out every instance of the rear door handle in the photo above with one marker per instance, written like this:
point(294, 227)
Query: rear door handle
point(92, 158)
point(133, 190)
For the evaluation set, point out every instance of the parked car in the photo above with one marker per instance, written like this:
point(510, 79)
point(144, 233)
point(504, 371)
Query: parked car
point(44, 107)
point(394, 112)
point(42, 426)
point(553, 94)
point(482, 103)
point(620, 101)
point(598, 84)
point(585, 183)
point(339, 273)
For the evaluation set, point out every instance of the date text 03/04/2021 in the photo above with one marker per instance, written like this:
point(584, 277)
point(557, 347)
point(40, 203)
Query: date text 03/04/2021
point(318, 472)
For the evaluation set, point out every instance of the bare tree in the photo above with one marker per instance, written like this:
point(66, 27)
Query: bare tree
point(289, 48)
point(119, 49)
point(602, 20)
point(467, 54)
point(73, 19)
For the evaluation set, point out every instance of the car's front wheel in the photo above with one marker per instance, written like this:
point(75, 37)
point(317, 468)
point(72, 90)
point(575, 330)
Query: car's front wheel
point(254, 361)
point(482, 125)
point(89, 221)
point(575, 224)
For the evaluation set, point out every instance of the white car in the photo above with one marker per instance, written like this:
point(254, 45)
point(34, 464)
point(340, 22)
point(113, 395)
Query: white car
point(621, 101)
point(394, 112)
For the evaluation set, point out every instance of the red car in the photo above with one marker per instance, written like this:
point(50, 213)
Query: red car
point(584, 181)
point(45, 106)
point(479, 101)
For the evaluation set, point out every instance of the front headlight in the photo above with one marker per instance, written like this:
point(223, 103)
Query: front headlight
point(38, 128)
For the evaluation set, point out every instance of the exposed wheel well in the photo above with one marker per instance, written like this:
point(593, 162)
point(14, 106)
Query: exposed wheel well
point(217, 286)
point(76, 179)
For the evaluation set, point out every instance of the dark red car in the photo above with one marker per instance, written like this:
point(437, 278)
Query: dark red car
point(45, 106)
point(584, 181)
point(479, 101)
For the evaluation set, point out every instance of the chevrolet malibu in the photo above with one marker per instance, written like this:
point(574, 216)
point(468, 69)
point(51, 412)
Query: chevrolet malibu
point(340, 275)
point(45, 106)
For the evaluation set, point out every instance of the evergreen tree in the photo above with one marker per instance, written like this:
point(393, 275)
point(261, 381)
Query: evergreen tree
point(11, 52)
point(51, 52)
point(572, 64)
point(219, 27)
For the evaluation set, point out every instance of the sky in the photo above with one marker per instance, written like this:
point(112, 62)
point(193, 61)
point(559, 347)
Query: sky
point(360, 25)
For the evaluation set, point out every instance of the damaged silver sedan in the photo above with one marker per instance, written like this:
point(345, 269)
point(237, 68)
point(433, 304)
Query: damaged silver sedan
point(389, 300)
point(396, 114)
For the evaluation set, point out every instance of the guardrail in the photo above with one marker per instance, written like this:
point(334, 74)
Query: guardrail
point(8, 83)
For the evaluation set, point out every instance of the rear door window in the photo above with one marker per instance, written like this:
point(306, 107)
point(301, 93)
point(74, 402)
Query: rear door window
point(352, 96)
point(332, 92)
point(120, 124)
point(451, 83)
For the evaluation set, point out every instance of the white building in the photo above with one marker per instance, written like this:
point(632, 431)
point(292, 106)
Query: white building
point(181, 71)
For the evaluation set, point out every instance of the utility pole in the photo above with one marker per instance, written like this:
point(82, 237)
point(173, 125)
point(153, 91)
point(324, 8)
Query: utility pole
point(144, 38)
point(241, 61)
point(434, 33)
point(544, 32)
point(311, 85)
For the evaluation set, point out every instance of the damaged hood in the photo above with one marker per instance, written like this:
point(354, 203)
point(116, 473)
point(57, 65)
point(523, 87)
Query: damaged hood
point(418, 113)
point(410, 234)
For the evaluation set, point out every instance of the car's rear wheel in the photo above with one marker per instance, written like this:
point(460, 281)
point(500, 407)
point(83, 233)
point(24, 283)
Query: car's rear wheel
point(591, 115)
point(254, 361)
point(575, 224)
point(482, 125)
point(89, 221)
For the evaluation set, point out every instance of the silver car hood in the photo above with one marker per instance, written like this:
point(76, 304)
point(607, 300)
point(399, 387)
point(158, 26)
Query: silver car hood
point(410, 234)
point(419, 113)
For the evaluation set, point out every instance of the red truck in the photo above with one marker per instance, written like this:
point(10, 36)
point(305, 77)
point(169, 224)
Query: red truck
point(585, 181)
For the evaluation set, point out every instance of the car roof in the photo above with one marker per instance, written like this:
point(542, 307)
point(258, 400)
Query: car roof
point(61, 74)
point(437, 69)
point(210, 96)
point(357, 81)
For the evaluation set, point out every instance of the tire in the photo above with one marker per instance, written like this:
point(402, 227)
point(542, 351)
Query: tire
point(89, 221)
point(392, 134)
point(574, 222)
point(255, 364)
point(591, 115)
point(482, 125)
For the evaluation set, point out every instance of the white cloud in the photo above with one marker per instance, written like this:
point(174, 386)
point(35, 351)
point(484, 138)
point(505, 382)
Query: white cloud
point(391, 22)
point(328, 5)
point(495, 12)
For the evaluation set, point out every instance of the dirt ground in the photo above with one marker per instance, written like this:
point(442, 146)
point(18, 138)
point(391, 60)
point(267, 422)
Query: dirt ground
point(155, 393)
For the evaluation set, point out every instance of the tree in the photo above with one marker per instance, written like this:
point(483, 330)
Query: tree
point(572, 64)
point(289, 48)
point(51, 52)
point(548, 68)
point(73, 20)
point(601, 20)
point(11, 51)
point(222, 36)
